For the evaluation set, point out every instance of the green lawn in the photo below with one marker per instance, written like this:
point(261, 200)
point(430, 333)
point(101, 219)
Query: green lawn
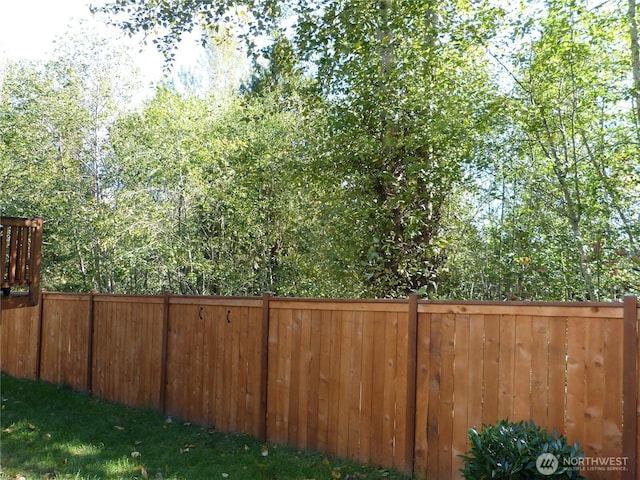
point(52, 432)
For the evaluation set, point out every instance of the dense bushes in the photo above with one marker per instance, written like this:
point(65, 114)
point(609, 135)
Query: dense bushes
point(520, 451)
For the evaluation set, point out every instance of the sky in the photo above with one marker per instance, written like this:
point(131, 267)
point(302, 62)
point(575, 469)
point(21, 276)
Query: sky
point(28, 29)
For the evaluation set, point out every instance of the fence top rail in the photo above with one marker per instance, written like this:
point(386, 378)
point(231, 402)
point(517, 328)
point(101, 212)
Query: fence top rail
point(469, 307)
point(153, 299)
point(541, 309)
point(21, 222)
point(381, 305)
point(215, 300)
point(66, 296)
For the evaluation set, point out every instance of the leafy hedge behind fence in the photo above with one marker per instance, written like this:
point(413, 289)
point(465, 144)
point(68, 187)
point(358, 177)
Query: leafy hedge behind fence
point(392, 382)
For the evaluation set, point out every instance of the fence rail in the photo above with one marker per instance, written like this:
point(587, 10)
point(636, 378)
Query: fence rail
point(391, 382)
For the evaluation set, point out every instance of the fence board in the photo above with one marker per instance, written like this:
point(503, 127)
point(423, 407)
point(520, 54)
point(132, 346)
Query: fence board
point(389, 391)
point(294, 390)
point(522, 369)
point(491, 369)
point(506, 367)
point(334, 420)
point(539, 370)
point(447, 359)
point(460, 392)
point(557, 373)
point(312, 409)
point(434, 386)
point(367, 398)
point(377, 420)
point(423, 366)
point(323, 383)
point(611, 411)
point(344, 328)
point(302, 437)
point(354, 390)
point(592, 440)
point(575, 378)
point(476, 371)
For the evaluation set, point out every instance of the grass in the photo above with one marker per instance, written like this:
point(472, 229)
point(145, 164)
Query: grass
point(53, 432)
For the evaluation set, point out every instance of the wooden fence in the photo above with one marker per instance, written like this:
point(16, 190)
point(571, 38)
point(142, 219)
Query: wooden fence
point(391, 382)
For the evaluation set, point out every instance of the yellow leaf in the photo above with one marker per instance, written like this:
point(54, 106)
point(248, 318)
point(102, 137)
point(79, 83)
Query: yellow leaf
point(31, 426)
point(336, 475)
point(143, 471)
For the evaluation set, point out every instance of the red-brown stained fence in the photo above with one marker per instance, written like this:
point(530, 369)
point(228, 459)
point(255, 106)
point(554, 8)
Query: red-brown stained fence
point(396, 383)
point(65, 343)
point(558, 365)
point(338, 378)
point(214, 362)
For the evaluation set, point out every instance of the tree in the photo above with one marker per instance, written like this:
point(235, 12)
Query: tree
point(56, 159)
point(400, 104)
point(564, 228)
point(404, 113)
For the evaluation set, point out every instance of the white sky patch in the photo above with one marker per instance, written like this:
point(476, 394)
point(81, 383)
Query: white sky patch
point(29, 29)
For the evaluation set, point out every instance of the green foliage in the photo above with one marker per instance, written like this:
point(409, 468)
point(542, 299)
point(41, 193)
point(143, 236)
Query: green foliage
point(454, 149)
point(509, 450)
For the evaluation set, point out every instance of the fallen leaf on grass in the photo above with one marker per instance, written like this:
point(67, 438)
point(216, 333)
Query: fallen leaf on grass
point(187, 447)
point(135, 454)
point(264, 452)
point(143, 471)
point(118, 427)
point(31, 426)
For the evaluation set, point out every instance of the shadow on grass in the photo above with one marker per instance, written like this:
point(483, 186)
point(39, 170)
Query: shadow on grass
point(52, 432)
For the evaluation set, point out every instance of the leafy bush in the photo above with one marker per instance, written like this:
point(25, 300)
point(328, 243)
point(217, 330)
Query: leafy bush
point(509, 450)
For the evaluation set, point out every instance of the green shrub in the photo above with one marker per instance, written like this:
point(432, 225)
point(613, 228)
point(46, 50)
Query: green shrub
point(509, 450)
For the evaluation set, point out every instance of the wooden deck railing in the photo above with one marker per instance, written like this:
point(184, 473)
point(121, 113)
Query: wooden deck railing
point(20, 253)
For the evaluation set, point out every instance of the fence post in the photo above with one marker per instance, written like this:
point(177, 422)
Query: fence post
point(630, 386)
point(264, 371)
point(412, 362)
point(163, 353)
